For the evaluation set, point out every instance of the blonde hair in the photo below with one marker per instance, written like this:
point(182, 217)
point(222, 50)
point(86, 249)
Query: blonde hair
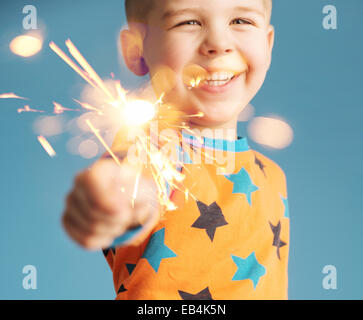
point(138, 10)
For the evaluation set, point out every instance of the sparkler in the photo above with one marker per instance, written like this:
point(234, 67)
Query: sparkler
point(134, 116)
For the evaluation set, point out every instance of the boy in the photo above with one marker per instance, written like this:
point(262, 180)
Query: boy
point(230, 240)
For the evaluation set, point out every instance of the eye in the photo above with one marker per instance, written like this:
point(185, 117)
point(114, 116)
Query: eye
point(241, 21)
point(188, 23)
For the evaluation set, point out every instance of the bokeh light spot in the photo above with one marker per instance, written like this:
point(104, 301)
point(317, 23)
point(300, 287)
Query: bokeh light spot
point(271, 132)
point(88, 149)
point(26, 46)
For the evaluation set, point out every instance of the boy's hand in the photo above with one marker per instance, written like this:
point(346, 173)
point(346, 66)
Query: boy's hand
point(99, 209)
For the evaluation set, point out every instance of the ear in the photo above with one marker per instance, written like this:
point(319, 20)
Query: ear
point(132, 51)
point(270, 43)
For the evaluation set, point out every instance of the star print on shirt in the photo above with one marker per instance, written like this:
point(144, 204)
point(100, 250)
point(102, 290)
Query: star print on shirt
point(106, 251)
point(248, 268)
point(261, 165)
point(242, 183)
point(277, 242)
point(202, 295)
point(121, 289)
point(286, 205)
point(211, 217)
point(156, 250)
point(130, 267)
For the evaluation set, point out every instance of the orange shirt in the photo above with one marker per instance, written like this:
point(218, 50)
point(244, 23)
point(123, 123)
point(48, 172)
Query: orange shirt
point(229, 240)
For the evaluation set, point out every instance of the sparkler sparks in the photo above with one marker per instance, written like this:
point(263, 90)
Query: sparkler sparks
point(58, 109)
point(46, 145)
point(89, 107)
point(28, 109)
point(11, 95)
point(134, 115)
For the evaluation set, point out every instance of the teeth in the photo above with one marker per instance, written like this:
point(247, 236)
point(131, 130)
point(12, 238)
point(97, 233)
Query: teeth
point(216, 83)
point(220, 76)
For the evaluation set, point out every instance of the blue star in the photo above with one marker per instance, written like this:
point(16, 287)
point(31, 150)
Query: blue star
point(248, 268)
point(286, 204)
point(242, 183)
point(156, 250)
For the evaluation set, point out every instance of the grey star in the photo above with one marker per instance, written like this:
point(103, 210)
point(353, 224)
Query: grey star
point(106, 251)
point(277, 242)
point(260, 164)
point(121, 289)
point(202, 295)
point(211, 217)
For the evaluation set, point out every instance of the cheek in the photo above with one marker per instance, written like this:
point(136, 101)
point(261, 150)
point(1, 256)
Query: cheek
point(166, 51)
point(254, 47)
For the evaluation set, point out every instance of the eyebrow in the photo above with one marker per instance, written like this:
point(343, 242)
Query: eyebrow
point(249, 9)
point(172, 12)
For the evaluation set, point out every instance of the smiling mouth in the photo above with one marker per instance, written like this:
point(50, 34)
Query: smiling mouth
point(215, 79)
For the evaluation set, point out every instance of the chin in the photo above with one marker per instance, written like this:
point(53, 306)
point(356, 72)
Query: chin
point(213, 122)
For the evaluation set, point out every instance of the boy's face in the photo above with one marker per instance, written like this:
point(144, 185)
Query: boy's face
point(231, 37)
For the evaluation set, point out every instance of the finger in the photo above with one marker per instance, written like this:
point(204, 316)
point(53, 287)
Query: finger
point(142, 213)
point(94, 214)
point(102, 185)
point(92, 224)
point(84, 240)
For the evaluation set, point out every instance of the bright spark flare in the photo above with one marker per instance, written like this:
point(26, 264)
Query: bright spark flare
point(134, 114)
point(11, 95)
point(28, 109)
point(138, 112)
point(97, 134)
point(89, 107)
point(58, 108)
point(46, 145)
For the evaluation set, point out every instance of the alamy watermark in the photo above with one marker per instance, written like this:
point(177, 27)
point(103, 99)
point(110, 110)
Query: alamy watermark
point(330, 20)
point(30, 280)
point(330, 280)
point(30, 20)
point(207, 145)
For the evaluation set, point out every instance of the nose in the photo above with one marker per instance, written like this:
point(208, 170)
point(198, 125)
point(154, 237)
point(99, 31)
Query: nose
point(216, 43)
